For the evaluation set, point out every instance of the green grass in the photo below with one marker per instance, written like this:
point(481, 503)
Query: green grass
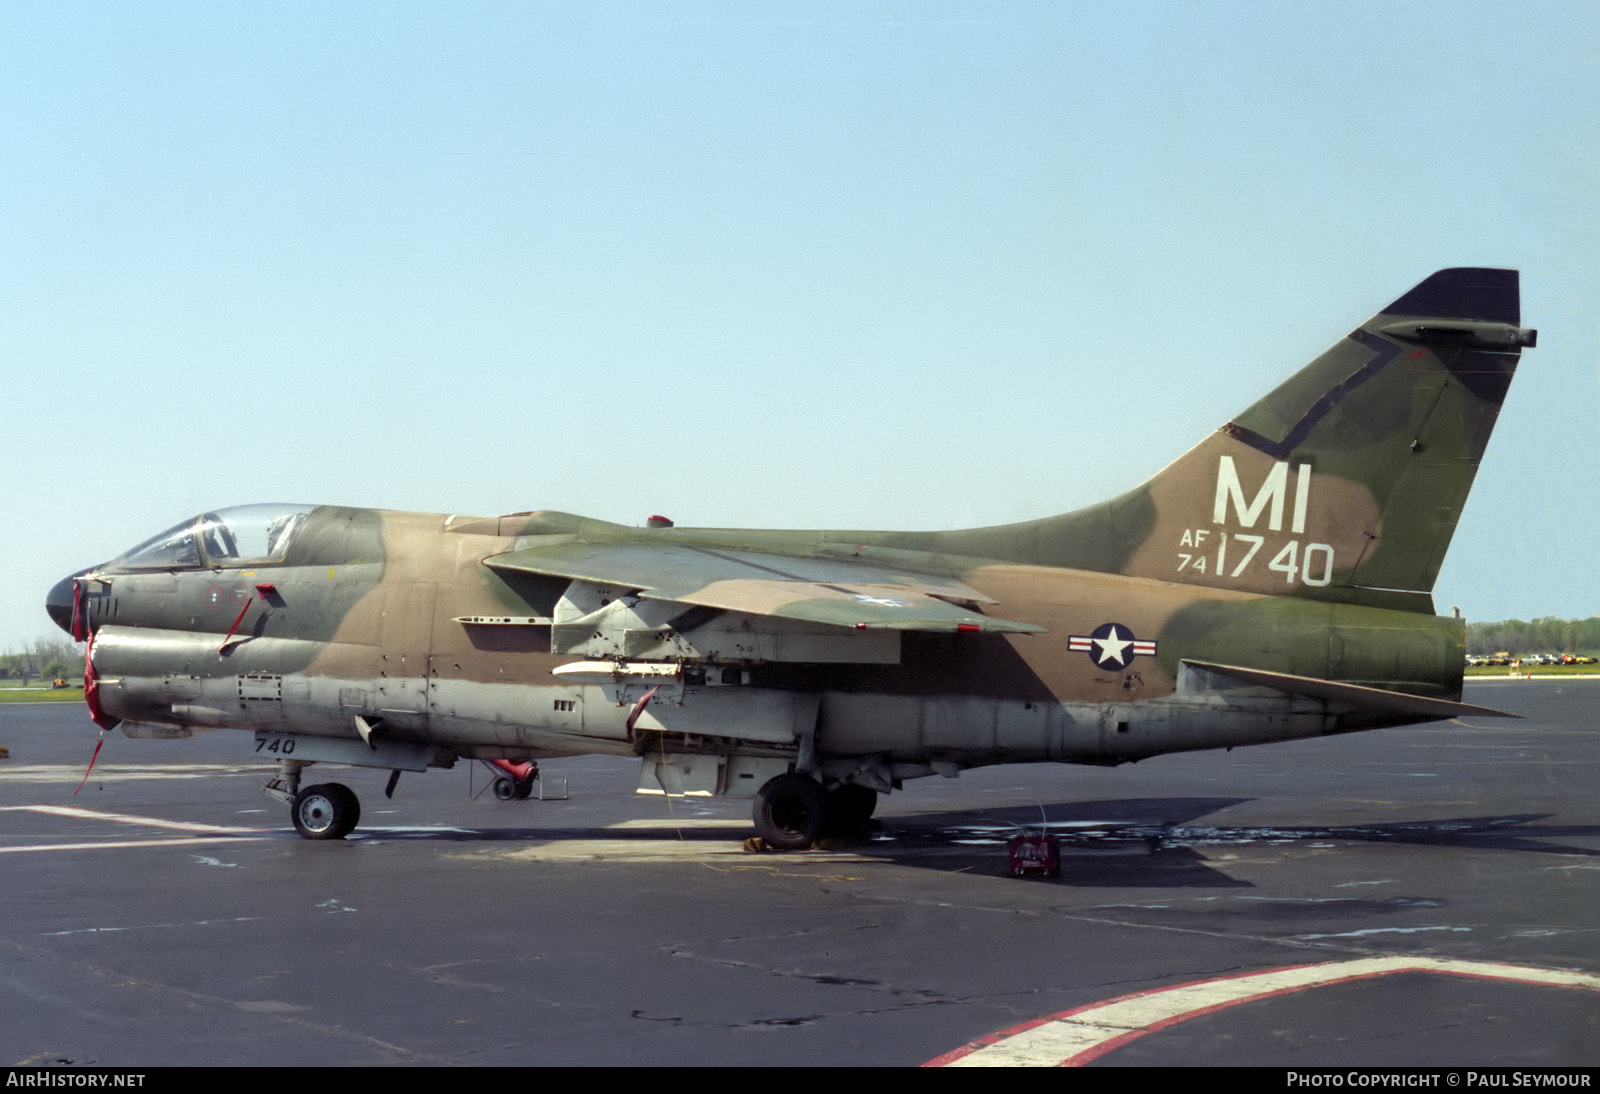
point(12, 693)
point(1536, 670)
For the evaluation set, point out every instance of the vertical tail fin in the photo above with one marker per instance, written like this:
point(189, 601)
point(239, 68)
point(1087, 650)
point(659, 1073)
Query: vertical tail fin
point(1344, 483)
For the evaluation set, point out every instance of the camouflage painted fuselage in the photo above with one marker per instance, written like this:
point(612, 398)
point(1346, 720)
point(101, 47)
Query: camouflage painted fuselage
point(394, 617)
point(1273, 583)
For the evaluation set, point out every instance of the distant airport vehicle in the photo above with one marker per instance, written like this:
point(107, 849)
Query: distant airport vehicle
point(1273, 583)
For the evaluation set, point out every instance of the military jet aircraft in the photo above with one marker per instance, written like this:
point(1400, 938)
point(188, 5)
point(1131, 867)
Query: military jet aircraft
point(1273, 583)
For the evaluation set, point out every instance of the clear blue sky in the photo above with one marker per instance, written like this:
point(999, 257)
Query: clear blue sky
point(859, 264)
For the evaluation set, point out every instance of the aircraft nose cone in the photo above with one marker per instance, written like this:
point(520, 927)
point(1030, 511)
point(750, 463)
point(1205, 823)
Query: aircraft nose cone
point(59, 602)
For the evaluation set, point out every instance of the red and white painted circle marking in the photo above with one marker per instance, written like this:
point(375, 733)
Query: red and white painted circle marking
point(1073, 1038)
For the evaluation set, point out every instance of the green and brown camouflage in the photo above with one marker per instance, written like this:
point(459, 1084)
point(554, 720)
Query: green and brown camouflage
point(1274, 582)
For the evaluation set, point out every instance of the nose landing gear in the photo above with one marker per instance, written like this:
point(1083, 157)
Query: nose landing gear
point(324, 811)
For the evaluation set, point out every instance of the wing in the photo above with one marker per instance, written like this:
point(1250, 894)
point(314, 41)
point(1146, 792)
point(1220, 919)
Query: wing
point(839, 592)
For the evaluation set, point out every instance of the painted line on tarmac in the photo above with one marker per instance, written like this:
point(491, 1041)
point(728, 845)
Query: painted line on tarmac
point(1075, 1037)
point(112, 772)
point(128, 818)
point(193, 841)
point(156, 926)
point(668, 824)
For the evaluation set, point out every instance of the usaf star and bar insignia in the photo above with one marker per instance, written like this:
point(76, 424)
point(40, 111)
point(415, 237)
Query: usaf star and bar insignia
point(1112, 646)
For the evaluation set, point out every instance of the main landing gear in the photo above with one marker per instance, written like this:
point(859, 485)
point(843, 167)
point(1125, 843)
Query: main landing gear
point(793, 811)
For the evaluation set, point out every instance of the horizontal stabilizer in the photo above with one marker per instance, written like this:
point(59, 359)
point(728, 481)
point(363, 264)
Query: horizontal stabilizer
point(814, 590)
point(1357, 695)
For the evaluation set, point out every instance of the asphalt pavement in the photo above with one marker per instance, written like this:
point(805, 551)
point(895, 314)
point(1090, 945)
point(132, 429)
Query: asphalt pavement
point(1418, 896)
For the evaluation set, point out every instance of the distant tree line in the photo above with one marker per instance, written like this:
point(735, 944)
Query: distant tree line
point(43, 657)
point(1547, 635)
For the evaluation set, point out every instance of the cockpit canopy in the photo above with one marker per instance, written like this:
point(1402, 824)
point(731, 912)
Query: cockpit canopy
point(244, 535)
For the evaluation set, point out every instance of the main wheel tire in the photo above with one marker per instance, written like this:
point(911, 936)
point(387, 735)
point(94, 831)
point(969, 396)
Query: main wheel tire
point(850, 807)
point(524, 789)
point(326, 811)
point(790, 812)
point(504, 788)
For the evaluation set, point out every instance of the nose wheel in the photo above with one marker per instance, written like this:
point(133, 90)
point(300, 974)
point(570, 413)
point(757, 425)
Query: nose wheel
point(325, 811)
